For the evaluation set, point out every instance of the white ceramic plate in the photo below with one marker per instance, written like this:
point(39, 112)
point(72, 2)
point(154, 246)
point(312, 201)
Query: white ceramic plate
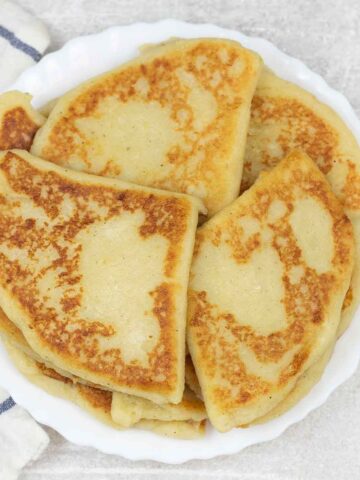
point(56, 73)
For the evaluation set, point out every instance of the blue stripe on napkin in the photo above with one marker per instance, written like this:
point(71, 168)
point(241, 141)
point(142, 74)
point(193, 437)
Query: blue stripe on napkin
point(17, 43)
point(6, 405)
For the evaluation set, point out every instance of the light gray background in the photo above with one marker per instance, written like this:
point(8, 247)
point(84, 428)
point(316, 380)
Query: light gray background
point(325, 34)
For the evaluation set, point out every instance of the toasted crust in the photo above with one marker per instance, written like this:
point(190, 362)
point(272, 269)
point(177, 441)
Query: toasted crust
point(268, 280)
point(18, 121)
point(122, 326)
point(174, 118)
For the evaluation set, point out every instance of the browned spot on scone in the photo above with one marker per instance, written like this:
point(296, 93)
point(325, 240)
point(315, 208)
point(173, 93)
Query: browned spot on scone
point(97, 398)
point(17, 130)
point(348, 299)
point(351, 188)
point(51, 373)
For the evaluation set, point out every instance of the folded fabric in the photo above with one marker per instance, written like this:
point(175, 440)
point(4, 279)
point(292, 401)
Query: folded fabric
point(23, 40)
point(21, 438)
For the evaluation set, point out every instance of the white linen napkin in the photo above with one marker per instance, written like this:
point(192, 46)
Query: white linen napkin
point(23, 40)
point(21, 438)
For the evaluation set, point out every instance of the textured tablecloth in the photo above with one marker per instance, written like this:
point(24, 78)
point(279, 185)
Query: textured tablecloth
point(325, 34)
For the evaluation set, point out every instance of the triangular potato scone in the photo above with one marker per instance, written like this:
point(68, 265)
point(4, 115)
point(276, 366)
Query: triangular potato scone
point(284, 117)
point(175, 118)
point(18, 121)
point(94, 272)
point(268, 280)
point(94, 401)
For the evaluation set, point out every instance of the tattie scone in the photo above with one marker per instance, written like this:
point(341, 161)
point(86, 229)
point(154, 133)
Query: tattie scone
point(176, 118)
point(94, 271)
point(266, 292)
